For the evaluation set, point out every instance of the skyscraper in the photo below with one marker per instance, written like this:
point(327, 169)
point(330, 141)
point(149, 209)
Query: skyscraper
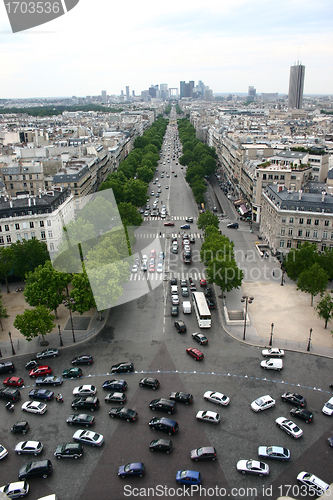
point(104, 97)
point(296, 85)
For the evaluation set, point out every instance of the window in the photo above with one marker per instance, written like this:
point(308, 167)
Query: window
point(325, 235)
point(41, 223)
point(1, 240)
point(290, 231)
point(301, 220)
point(31, 225)
point(283, 220)
point(26, 236)
point(308, 221)
point(42, 235)
point(33, 235)
point(50, 234)
point(30, 176)
point(300, 232)
point(17, 227)
point(323, 246)
point(18, 237)
point(331, 235)
point(315, 234)
point(291, 220)
point(326, 223)
point(9, 240)
point(307, 233)
point(31, 185)
point(49, 223)
point(289, 244)
point(270, 177)
point(282, 177)
point(11, 186)
point(283, 231)
point(316, 222)
point(23, 177)
point(10, 178)
point(276, 177)
point(51, 247)
point(281, 243)
point(264, 177)
point(6, 227)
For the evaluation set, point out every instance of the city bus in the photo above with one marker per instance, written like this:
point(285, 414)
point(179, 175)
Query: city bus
point(201, 310)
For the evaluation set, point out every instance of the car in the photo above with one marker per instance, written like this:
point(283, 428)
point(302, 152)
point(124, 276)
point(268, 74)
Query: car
point(40, 370)
point(164, 445)
point(273, 352)
point(167, 405)
point(175, 300)
point(208, 416)
point(134, 268)
point(185, 226)
point(47, 353)
point(159, 268)
point(151, 268)
point(39, 468)
point(7, 367)
point(167, 186)
point(89, 402)
point(13, 382)
point(210, 303)
point(181, 397)
point(115, 397)
point(80, 419)
point(200, 338)
point(150, 382)
point(146, 214)
point(164, 424)
point(69, 450)
point(115, 385)
point(195, 353)
point(233, 225)
point(20, 427)
point(327, 409)
point(10, 394)
point(217, 398)
point(180, 325)
point(157, 195)
point(31, 364)
point(263, 403)
point(183, 283)
point(84, 390)
point(272, 364)
point(176, 176)
point(208, 292)
point(214, 209)
point(192, 239)
point(18, 489)
point(161, 255)
point(124, 414)
point(313, 483)
point(125, 367)
point(34, 407)
point(169, 223)
point(131, 470)
point(289, 427)
point(72, 373)
point(173, 281)
point(185, 292)
point(189, 219)
point(88, 437)
point(174, 311)
point(193, 287)
point(276, 452)
point(204, 453)
point(252, 467)
point(3, 452)
point(330, 441)
point(152, 193)
point(49, 380)
point(303, 414)
point(41, 394)
point(144, 266)
point(203, 282)
point(188, 477)
point(294, 398)
point(30, 447)
point(84, 359)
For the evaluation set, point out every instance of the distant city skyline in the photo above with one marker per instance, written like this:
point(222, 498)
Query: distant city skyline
point(228, 44)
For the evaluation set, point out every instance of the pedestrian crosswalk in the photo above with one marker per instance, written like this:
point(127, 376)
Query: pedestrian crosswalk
point(172, 217)
point(166, 235)
point(146, 276)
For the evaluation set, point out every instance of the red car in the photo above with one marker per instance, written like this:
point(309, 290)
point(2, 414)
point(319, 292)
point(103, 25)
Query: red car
point(195, 353)
point(203, 282)
point(13, 382)
point(152, 253)
point(40, 370)
point(169, 223)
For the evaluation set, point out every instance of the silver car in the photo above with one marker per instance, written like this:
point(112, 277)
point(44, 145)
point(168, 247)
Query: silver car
point(30, 447)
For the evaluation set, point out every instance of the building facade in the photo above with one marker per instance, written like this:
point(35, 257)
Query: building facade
point(296, 86)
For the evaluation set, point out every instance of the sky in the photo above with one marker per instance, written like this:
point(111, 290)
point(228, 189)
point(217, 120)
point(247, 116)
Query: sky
point(228, 44)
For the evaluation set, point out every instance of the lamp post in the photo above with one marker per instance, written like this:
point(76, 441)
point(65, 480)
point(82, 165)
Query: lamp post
point(246, 299)
point(282, 278)
point(69, 303)
point(61, 342)
point(11, 343)
point(309, 343)
point(271, 338)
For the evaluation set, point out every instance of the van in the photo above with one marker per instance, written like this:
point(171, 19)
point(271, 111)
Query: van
point(187, 308)
point(174, 290)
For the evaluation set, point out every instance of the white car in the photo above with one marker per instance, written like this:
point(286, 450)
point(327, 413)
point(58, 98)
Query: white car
point(313, 483)
point(175, 300)
point(274, 352)
point(85, 390)
point(262, 403)
point(272, 364)
point(134, 268)
point(34, 407)
point(253, 467)
point(289, 427)
point(3, 452)
point(88, 437)
point(327, 409)
point(217, 398)
point(15, 490)
point(208, 416)
point(30, 447)
point(159, 267)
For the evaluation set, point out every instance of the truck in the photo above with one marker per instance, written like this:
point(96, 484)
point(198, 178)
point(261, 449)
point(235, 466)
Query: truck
point(187, 308)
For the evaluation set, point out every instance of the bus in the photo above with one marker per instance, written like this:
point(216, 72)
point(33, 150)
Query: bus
point(201, 310)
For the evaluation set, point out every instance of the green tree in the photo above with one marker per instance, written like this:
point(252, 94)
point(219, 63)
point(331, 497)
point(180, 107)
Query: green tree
point(29, 254)
point(6, 264)
point(34, 322)
point(313, 281)
point(129, 214)
point(324, 308)
point(82, 293)
point(135, 192)
point(300, 259)
point(3, 312)
point(325, 260)
point(145, 174)
point(207, 219)
point(224, 273)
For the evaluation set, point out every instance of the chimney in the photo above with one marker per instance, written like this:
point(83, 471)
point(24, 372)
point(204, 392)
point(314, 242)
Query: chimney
point(29, 202)
point(323, 196)
point(34, 200)
point(300, 194)
point(10, 203)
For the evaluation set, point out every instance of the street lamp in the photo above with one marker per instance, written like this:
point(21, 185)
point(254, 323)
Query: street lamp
point(61, 342)
point(246, 299)
point(11, 342)
point(282, 277)
point(271, 338)
point(69, 304)
point(309, 343)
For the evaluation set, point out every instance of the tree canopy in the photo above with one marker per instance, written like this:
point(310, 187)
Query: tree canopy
point(34, 322)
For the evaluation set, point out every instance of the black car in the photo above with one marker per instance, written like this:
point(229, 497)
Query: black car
point(208, 292)
point(233, 225)
point(124, 414)
point(115, 397)
point(33, 363)
point(181, 397)
point(32, 469)
point(84, 359)
point(161, 445)
point(89, 402)
point(20, 427)
point(72, 373)
point(210, 303)
point(173, 281)
point(125, 367)
point(303, 414)
point(200, 338)
point(204, 453)
point(152, 383)
point(80, 419)
point(174, 311)
point(69, 450)
point(294, 399)
point(183, 283)
point(167, 405)
point(10, 394)
point(184, 292)
point(7, 367)
point(181, 327)
point(164, 424)
point(115, 385)
point(41, 394)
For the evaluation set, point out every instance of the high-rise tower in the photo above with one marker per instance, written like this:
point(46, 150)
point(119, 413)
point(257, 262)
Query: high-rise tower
point(296, 85)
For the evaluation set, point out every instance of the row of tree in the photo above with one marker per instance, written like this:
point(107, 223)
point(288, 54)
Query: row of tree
point(58, 110)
